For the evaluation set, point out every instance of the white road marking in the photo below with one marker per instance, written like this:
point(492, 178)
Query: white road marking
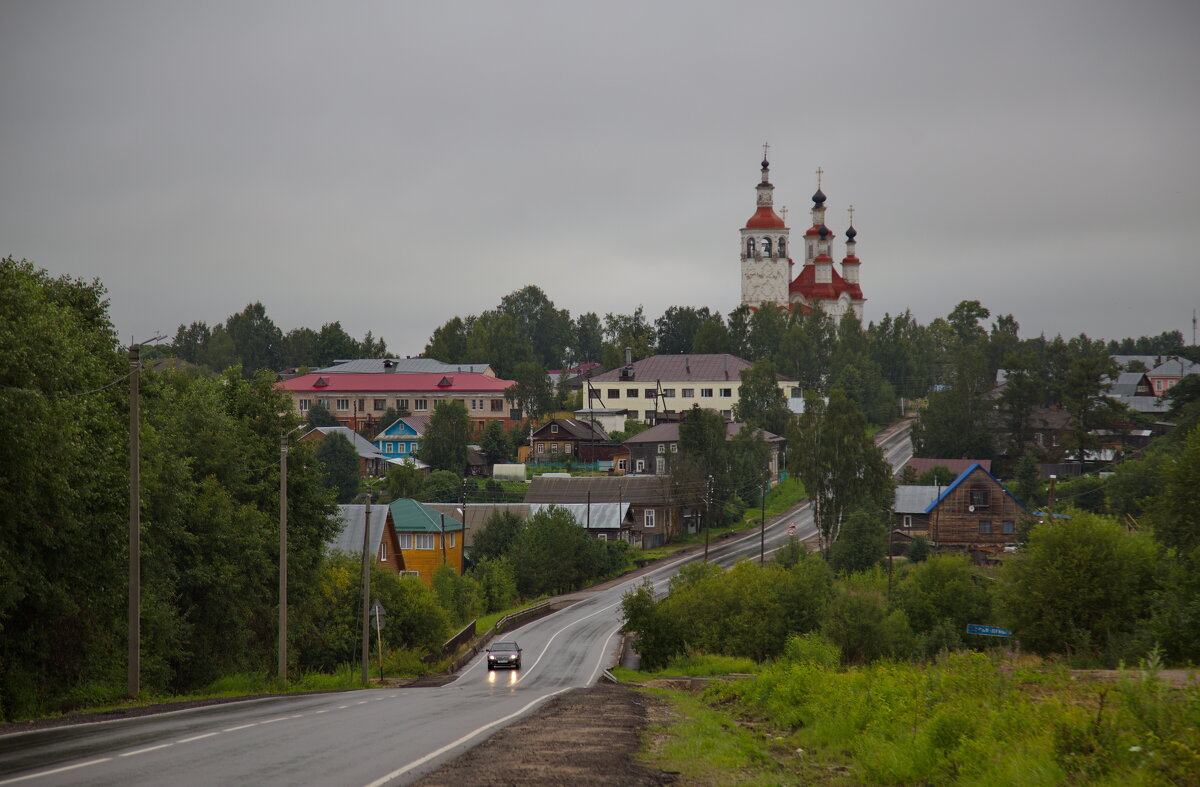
point(63, 769)
point(240, 727)
point(148, 748)
point(199, 737)
point(603, 653)
point(433, 754)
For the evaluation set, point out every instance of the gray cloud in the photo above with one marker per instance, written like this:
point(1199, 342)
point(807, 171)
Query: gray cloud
point(392, 165)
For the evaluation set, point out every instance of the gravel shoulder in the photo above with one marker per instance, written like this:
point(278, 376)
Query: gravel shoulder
point(585, 736)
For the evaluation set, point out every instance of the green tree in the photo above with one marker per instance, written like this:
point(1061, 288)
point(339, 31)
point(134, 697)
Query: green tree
point(954, 425)
point(761, 403)
point(711, 337)
point(405, 481)
point(448, 342)
point(256, 340)
point(943, 592)
point(623, 331)
point(1080, 586)
point(497, 336)
point(339, 463)
point(495, 539)
point(533, 391)
point(333, 343)
point(444, 446)
point(442, 486)
point(1175, 514)
point(458, 595)
point(299, 347)
point(704, 455)
point(548, 329)
point(319, 415)
point(841, 467)
point(863, 542)
point(496, 443)
point(919, 550)
point(676, 329)
point(190, 341)
point(938, 475)
point(587, 338)
point(553, 554)
point(858, 622)
point(497, 582)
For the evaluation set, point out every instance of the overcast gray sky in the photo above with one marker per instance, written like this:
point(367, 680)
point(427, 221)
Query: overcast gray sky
point(391, 165)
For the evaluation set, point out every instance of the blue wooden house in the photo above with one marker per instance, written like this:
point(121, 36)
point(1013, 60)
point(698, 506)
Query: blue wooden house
point(402, 438)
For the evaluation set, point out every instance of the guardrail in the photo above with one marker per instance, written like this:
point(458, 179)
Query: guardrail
point(502, 625)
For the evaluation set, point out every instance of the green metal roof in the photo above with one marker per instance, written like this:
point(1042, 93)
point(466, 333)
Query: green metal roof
point(410, 516)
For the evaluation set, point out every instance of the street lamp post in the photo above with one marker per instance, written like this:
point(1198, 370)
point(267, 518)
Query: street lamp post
point(135, 525)
point(283, 579)
point(366, 591)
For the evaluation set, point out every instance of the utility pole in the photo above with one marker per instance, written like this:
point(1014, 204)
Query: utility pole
point(443, 526)
point(762, 530)
point(135, 526)
point(366, 585)
point(707, 510)
point(283, 602)
point(1050, 495)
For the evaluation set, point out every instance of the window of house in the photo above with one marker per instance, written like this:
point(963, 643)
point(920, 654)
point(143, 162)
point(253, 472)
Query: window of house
point(985, 526)
point(380, 404)
point(622, 464)
point(1006, 526)
point(420, 404)
point(401, 404)
point(668, 393)
point(614, 393)
point(304, 404)
point(383, 550)
point(727, 413)
point(706, 393)
point(593, 393)
point(406, 540)
point(450, 540)
point(641, 465)
point(662, 448)
point(651, 393)
point(674, 448)
point(633, 415)
point(424, 541)
point(688, 393)
point(908, 520)
point(660, 465)
point(541, 448)
point(387, 448)
point(324, 403)
point(630, 393)
point(343, 404)
point(979, 498)
point(726, 392)
point(602, 536)
point(362, 405)
point(497, 405)
point(649, 517)
point(410, 574)
point(554, 448)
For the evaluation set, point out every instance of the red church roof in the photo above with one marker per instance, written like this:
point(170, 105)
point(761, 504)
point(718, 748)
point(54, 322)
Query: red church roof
point(806, 284)
point(765, 218)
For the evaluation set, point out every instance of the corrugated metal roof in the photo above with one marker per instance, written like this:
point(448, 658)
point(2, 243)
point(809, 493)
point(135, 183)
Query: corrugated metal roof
point(914, 498)
point(408, 383)
point(669, 433)
point(716, 367)
point(402, 366)
point(353, 516)
point(409, 516)
point(634, 489)
point(364, 447)
point(922, 464)
point(597, 516)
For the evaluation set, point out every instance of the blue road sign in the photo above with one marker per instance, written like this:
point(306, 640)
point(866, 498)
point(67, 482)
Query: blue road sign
point(990, 631)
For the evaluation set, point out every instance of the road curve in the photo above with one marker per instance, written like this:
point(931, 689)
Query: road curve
point(382, 736)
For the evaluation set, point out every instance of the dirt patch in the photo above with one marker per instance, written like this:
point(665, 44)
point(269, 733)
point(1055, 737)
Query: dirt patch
point(585, 736)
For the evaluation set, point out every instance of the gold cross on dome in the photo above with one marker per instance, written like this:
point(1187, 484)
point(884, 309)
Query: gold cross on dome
point(783, 210)
point(766, 148)
point(820, 172)
point(851, 215)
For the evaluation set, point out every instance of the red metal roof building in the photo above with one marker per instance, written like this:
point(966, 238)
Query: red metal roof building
point(358, 400)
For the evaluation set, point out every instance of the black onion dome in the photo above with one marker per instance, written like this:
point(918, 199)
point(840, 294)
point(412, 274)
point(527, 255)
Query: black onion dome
point(851, 233)
point(823, 232)
point(819, 197)
point(765, 164)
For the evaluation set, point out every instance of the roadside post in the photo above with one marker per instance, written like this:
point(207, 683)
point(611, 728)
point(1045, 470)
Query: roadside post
point(380, 617)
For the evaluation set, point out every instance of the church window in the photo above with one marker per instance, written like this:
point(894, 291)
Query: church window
point(766, 246)
point(783, 247)
point(750, 247)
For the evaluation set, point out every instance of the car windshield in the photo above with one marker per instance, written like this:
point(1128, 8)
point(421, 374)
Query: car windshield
point(504, 646)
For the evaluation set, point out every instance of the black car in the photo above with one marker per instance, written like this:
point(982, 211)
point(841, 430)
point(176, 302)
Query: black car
point(504, 655)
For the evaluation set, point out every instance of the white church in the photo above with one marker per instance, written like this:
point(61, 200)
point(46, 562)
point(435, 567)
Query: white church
point(767, 267)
